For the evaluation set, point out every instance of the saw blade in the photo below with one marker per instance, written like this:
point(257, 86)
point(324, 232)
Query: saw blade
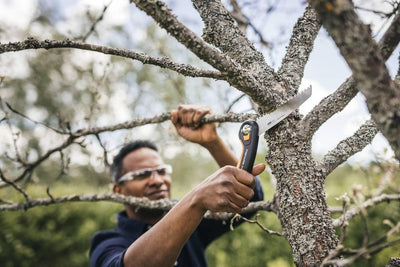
point(269, 120)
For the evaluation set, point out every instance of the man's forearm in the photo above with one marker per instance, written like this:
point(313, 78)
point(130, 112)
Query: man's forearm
point(161, 245)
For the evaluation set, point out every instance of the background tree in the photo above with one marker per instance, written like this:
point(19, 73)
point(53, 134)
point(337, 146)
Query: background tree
point(75, 108)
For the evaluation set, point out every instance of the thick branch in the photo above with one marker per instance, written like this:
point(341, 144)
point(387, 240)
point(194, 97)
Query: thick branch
point(349, 147)
point(335, 102)
point(329, 106)
point(301, 44)
point(221, 31)
point(237, 76)
point(391, 38)
point(238, 15)
point(162, 62)
point(362, 54)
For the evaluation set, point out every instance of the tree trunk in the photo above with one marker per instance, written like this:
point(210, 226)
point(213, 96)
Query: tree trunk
point(303, 211)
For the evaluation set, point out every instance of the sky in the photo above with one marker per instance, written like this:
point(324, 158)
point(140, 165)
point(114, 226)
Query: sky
point(325, 71)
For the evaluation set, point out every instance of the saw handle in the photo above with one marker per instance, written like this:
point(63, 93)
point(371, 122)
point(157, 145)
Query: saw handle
point(248, 136)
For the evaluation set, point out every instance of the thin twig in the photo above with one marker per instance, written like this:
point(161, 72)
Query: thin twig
point(238, 217)
point(97, 21)
point(365, 205)
point(163, 204)
point(16, 187)
point(32, 120)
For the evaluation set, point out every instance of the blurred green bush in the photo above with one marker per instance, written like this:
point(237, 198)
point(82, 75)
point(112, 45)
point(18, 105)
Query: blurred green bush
point(59, 235)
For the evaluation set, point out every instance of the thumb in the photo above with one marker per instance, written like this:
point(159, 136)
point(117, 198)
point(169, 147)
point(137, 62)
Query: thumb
point(258, 169)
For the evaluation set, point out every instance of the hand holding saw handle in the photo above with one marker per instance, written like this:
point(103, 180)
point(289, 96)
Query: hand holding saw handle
point(250, 130)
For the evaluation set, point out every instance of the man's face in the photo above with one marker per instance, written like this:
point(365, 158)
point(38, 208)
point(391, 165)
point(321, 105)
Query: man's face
point(155, 187)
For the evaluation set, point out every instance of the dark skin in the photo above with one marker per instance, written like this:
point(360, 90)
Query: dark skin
point(227, 190)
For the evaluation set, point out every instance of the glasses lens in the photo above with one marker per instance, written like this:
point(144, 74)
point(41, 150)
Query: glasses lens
point(162, 171)
point(142, 175)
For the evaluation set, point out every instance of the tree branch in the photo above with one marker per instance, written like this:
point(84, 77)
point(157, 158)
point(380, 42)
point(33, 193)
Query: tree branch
point(394, 262)
point(335, 257)
point(228, 117)
point(362, 54)
point(238, 217)
point(348, 147)
point(328, 107)
point(301, 44)
point(365, 205)
point(73, 136)
point(162, 62)
point(357, 253)
point(391, 38)
point(136, 202)
point(237, 75)
point(337, 101)
point(16, 187)
point(221, 31)
point(94, 24)
point(243, 22)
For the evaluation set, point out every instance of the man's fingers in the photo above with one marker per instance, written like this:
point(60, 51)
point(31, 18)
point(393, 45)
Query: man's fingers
point(198, 114)
point(174, 116)
point(244, 177)
point(190, 115)
point(248, 179)
point(234, 203)
point(258, 169)
point(244, 191)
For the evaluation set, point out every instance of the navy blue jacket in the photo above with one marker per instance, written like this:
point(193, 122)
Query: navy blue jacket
point(108, 247)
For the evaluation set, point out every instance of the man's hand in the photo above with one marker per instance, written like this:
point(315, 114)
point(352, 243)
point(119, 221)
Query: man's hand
point(187, 122)
point(227, 190)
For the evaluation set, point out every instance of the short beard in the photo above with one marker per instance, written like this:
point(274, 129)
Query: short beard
point(148, 215)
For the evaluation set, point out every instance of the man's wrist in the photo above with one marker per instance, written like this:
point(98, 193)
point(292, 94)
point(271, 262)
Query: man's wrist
point(213, 145)
point(221, 153)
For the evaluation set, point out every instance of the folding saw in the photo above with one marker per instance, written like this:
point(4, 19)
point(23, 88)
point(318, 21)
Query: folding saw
point(250, 130)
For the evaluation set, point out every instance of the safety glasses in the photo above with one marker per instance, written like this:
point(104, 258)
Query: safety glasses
point(146, 173)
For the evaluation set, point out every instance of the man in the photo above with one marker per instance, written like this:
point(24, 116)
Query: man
point(151, 238)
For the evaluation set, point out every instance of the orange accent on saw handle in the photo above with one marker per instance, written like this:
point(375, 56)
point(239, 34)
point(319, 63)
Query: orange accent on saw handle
point(248, 136)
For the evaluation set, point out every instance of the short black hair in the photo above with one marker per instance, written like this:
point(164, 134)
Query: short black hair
point(116, 167)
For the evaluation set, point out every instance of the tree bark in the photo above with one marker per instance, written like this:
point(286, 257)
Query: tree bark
point(362, 54)
point(394, 262)
point(302, 208)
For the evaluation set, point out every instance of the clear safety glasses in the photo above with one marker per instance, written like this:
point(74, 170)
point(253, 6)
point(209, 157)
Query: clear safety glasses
point(146, 173)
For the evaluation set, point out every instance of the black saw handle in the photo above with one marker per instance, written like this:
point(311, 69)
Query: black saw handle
point(248, 135)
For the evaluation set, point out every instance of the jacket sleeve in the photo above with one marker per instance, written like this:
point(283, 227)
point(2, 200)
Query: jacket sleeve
point(107, 250)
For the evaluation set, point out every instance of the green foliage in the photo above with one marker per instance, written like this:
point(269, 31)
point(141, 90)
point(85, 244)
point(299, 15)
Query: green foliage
point(376, 218)
point(52, 236)
point(59, 235)
point(249, 245)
